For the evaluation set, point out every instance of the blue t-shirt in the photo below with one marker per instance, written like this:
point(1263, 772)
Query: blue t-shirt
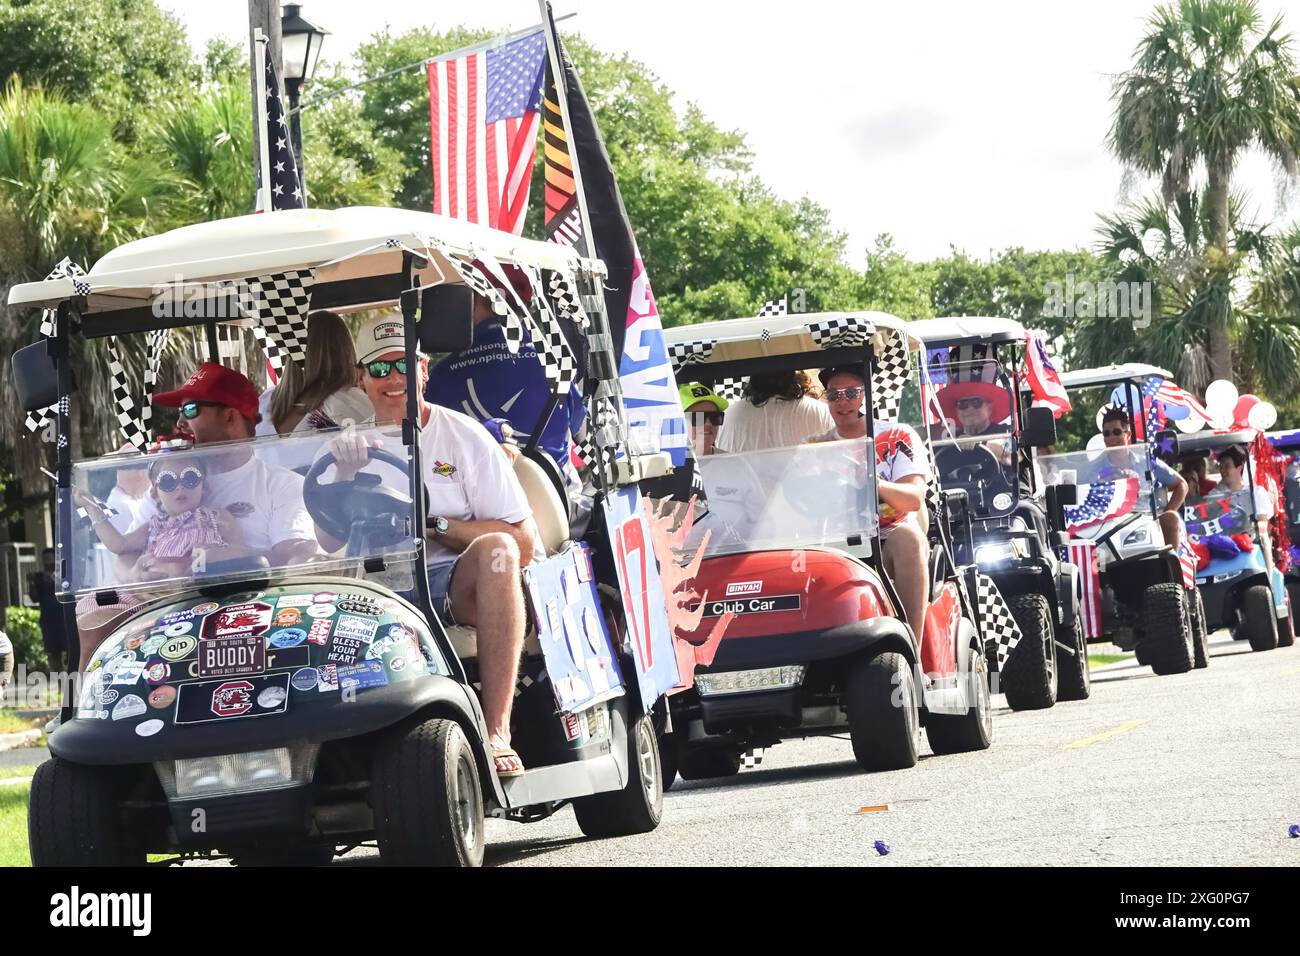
point(1165, 477)
point(485, 381)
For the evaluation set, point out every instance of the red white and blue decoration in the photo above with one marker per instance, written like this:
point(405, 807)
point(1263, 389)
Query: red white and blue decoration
point(1102, 501)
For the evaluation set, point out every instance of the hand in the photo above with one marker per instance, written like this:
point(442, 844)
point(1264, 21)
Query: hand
point(511, 451)
point(87, 501)
point(351, 453)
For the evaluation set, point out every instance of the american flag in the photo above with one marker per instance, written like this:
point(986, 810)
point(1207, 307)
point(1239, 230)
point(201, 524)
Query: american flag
point(1044, 379)
point(1102, 501)
point(484, 110)
point(1083, 555)
point(1187, 562)
point(286, 187)
point(1171, 393)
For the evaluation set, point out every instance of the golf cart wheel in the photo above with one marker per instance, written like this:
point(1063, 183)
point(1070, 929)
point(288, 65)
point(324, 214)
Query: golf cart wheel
point(1167, 635)
point(705, 763)
point(1200, 631)
point(72, 817)
point(1074, 678)
point(295, 856)
point(884, 715)
point(426, 797)
point(973, 730)
point(636, 808)
point(1259, 620)
point(1029, 675)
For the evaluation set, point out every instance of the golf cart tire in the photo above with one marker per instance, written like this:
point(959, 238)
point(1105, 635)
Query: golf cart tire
point(668, 759)
point(706, 763)
point(1258, 619)
point(1167, 635)
point(639, 806)
point(1200, 631)
point(973, 730)
point(421, 776)
point(72, 817)
point(885, 736)
point(1073, 679)
point(1029, 676)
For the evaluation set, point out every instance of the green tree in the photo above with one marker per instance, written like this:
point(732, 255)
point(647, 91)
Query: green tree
point(1208, 82)
point(894, 283)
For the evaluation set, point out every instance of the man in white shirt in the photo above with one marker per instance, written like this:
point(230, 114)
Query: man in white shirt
point(778, 411)
point(130, 494)
point(480, 531)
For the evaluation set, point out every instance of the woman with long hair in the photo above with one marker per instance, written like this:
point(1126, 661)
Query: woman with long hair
point(778, 410)
point(324, 391)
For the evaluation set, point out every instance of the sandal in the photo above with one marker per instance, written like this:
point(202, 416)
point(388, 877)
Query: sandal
point(507, 755)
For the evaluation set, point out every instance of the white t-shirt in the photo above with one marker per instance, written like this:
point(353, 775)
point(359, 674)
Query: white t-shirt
point(6, 646)
point(128, 509)
point(778, 423)
point(1263, 504)
point(265, 499)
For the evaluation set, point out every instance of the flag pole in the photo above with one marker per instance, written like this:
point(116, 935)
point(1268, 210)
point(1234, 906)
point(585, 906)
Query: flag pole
point(260, 123)
point(586, 242)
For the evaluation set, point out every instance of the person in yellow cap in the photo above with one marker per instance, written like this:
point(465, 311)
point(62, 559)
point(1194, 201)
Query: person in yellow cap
point(705, 411)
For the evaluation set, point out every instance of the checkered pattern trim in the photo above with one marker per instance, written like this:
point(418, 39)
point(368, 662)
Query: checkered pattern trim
point(681, 354)
point(843, 331)
point(732, 389)
point(65, 269)
point(995, 620)
point(772, 307)
point(893, 367)
point(548, 339)
point(598, 439)
point(132, 422)
point(751, 758)
point(564, 292)
point(473, 277)
point(280, 304)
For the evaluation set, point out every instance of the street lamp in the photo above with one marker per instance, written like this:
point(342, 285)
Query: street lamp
point(300, 42)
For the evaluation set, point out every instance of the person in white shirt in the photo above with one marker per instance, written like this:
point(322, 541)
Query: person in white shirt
point(130, 493)
point(322, 392)
point(480, 530)
point(777, 411)
point(1232, 474)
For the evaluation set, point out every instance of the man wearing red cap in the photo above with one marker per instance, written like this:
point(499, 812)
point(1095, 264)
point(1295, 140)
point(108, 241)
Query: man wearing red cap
point(218, 404)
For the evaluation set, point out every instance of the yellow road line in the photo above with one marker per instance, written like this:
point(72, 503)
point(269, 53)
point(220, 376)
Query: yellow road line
point(1114, 732)
point(1288, 673)
point(879, 808)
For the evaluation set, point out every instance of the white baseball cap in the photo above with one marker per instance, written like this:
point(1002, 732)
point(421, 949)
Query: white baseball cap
point(379, 336)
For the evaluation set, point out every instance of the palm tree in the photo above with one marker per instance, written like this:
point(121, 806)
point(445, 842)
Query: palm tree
point(1208, 82)
point(208, 134)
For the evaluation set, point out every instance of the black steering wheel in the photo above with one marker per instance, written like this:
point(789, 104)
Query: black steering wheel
point(972, 468)
point(338, 506)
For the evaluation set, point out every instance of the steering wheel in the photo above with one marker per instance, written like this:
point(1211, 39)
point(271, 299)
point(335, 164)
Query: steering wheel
point(338, 505)
point(970, 468)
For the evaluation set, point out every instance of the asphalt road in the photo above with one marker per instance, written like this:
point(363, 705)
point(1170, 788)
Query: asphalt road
point(1198, 769)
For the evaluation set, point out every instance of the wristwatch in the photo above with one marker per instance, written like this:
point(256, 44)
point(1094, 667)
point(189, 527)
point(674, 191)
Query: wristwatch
point(439, 526)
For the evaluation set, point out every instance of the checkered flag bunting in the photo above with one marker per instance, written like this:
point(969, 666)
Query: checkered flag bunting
point(732, 389)
point(563, 289)
point(772, 307)
point(843, 331)
point(598, 439)
point(892, 371)
point(751, 758)
point(995, 620)
point(548, 339)
point(280, 303)
point(65, 269)
point(134, 424)
point(681, 354)
point(476, 280)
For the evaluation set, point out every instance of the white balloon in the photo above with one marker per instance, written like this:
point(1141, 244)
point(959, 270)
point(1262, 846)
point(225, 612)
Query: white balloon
point(1192, 423)
point(1101, 413)
point(1096, 442)
point(1221, 398)
point(1263, 416)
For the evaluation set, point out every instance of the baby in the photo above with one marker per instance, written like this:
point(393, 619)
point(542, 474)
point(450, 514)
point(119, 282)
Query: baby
point(187, 534)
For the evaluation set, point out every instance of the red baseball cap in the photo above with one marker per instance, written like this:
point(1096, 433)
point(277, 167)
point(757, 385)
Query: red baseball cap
point(214, 383)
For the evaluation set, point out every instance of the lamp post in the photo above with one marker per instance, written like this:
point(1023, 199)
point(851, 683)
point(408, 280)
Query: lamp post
point(300, 41)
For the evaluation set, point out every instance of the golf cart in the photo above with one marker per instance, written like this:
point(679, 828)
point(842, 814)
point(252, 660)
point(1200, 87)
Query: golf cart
point(1287, 446)
point(791, 540)
point(275, 713)
point(1017, 541)
point(1136, 591)
point(1241, 587)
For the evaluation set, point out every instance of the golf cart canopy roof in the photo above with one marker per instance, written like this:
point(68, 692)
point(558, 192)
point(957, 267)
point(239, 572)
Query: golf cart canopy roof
point(1286, 439)
point(967, 330)
point(356, 254)
point(1214, 441)
point(1112, 375)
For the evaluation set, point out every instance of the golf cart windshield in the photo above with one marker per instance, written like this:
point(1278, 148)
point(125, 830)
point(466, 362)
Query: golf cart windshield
point(1113, 484)
point(1221, 512)
point(814, 495)
point(236, 510)
point(975, 445)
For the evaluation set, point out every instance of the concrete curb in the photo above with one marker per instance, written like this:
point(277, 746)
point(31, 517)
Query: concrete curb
point(24, 738)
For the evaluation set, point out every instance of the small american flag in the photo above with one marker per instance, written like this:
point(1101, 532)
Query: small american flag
point(1083, 555)
point(1102, 501)
point(286, 187)
point(1187, 562)
point(1044, 379)
point(484, 110)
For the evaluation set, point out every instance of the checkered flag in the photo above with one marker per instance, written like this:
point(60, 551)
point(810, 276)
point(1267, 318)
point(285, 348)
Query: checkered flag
point(280, 304)
point(843, 331)
point(732, 389)
point(751, 758)
point(564, 291)
point(995, 620)
point(133, 422)
point(892, 370)
point(65, 269)
point(598, 440)
point(548, 339)
point(772, 307)
point(473, 277)
point(681, 354)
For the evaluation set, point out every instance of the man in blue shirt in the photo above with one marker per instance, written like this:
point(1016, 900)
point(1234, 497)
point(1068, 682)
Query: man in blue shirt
point(485, 381)
point(1117, 432)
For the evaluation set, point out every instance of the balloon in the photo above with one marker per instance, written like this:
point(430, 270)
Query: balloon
point(1176, 412)
point(1189, 423)
point(1262, 416)
point(1100, 414)
point(1220, 398)
point(1096, 442)
point(1241, 411)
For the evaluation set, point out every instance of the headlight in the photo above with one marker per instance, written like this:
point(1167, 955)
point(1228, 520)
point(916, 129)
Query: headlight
point(1218, 578)
point(738, 682)
point(237, 773)
point(993, 553)
point(1137, 536)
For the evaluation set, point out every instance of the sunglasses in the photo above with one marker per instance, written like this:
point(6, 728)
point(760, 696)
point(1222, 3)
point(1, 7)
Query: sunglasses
point(192, 410)
point(382, 369)
point(169, 481)
point(1113, 432)
point(970, 402)
point(713, 418)
point(852, 393)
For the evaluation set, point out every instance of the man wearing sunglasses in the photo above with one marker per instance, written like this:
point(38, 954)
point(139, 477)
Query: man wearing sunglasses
point(705, 412)
point(220, 405)
point(479, 530)
point(902, 472)
point(1117, 433)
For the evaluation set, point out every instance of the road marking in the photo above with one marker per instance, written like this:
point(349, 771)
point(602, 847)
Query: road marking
point(1114, 732)
point(881, 808)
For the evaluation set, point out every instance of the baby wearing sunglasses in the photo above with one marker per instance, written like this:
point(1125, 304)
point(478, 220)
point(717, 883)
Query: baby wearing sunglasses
point(181, 540)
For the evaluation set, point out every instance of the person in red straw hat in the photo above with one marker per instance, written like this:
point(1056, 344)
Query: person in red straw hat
point(974, 397)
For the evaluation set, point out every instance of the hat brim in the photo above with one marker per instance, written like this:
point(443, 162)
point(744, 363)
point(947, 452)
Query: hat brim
point(949, 395)
point(173, 399)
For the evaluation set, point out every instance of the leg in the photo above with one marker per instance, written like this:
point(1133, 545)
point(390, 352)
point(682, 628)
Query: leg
point(907, 559)
point(486, 593)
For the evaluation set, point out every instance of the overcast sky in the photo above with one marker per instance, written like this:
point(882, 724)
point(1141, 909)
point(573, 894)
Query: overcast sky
point(942, 122)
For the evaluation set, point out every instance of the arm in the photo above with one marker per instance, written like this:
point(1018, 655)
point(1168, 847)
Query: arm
point(292, 551)
point(1177, 494)
point(905, 495)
